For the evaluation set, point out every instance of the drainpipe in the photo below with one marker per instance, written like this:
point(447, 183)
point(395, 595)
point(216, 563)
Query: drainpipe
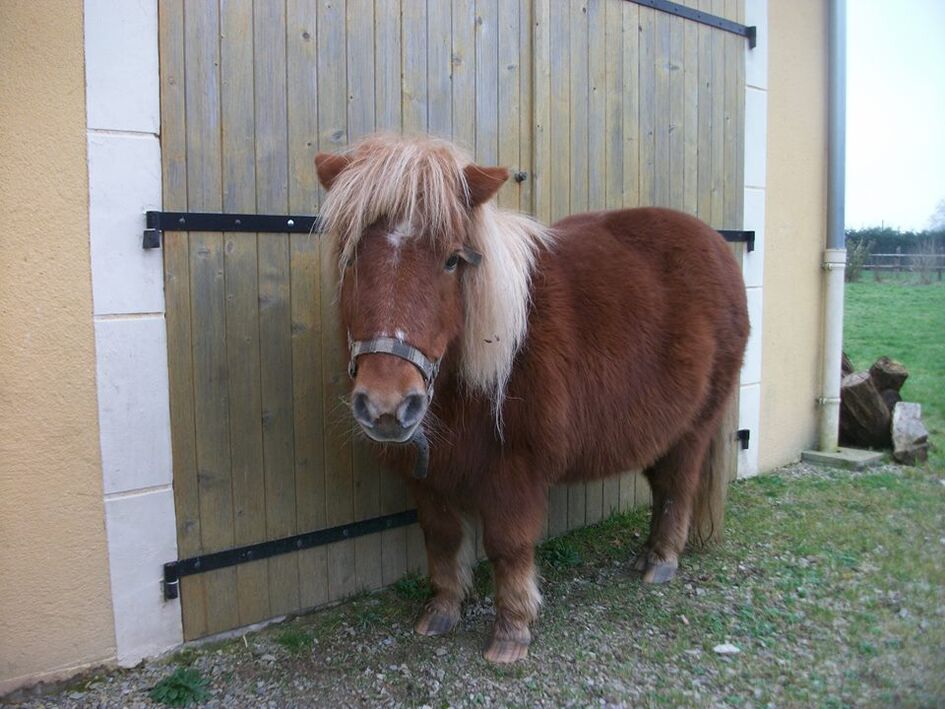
point(835, 255)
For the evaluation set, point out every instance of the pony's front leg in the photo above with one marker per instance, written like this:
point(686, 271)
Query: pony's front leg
point(512, 522)
point(450, 555)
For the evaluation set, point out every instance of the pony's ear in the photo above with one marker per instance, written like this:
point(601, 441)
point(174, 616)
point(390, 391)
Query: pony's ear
point(483, 182)
point(329, 166)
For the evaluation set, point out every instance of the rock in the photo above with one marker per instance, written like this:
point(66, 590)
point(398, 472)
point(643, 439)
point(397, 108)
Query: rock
point(440, 651)
point(726, 649)
point(268, 657)
point(910, 437)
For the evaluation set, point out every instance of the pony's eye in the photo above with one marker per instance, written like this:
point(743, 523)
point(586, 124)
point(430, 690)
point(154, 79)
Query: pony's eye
point(452, 262)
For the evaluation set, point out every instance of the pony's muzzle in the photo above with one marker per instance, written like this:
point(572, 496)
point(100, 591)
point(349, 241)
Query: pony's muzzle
point(388, 419)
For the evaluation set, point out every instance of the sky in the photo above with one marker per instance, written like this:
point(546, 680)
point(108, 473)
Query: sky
point(895, 112)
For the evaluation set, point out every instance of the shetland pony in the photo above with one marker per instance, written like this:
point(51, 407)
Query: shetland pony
point(527, 355)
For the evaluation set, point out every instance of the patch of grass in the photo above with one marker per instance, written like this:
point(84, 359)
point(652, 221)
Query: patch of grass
point(295, 640)
point(559, 553)
point(183, 687)
point(413, 587)
point(905, 322)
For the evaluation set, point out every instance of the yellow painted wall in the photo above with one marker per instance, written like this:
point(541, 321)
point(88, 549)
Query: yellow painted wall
point(795, 228)
point(55, 607)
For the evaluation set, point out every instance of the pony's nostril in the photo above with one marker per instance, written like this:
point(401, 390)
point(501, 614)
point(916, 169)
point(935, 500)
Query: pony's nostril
point(361, 409)
point(411, 410)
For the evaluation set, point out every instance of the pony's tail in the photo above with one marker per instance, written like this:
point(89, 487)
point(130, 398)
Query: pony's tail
point(718, 470)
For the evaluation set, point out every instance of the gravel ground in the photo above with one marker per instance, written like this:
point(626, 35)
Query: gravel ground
point(829, 589)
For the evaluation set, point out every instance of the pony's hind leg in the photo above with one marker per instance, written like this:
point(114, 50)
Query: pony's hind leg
point(511, 526)
point(674, 479)
point(450, 555)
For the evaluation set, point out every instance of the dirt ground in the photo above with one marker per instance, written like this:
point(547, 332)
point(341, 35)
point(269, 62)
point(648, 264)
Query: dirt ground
point(829, 589)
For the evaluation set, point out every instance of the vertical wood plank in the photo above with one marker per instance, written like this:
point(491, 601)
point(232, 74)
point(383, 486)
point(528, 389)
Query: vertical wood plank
point(242, 306)
point(526, 117)
point(177, 300)
point(360, 60)
point(706, 96)
point(509, 99)
point(560, 156)
point(717, 144)
point(414, 41)
point(208, 308)
point(690, 119)
point(662, 118)
point(541, 176)
point(648, 128)
point(739, 48)
point(487, 82)
point(439, 69)
point(275, 308)
point(305, 308)
point(631, 105)
point(463, 59)
point(332, 135)
point(675, 162)
point(387, 87)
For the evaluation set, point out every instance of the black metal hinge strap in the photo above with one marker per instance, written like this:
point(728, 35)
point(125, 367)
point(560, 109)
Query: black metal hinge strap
point(704, 18)
point(158, 222)
point(175, 570)
point(738, 236)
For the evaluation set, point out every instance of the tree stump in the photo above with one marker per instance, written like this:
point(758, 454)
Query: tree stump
point(846, 366)
point(888, 374)
point(891, 397)
point(864, 417)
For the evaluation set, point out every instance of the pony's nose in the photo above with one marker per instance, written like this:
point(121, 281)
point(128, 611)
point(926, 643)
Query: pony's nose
point(388, 418)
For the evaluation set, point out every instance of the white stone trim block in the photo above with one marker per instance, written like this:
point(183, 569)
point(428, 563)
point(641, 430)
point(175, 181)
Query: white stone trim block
point(121, 58)
point(124, 182)
point(749, 417)
point(751, 367)
point(141, 538)
point(134, 417)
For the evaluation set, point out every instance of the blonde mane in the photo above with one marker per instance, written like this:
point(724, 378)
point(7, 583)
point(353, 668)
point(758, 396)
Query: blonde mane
point(420, 181)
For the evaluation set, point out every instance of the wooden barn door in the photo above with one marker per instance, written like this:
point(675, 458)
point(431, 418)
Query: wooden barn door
point(600, 104)
point(262, 444)
point(637, 107)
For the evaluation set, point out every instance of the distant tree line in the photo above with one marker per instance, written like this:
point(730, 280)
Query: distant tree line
point(885, 240)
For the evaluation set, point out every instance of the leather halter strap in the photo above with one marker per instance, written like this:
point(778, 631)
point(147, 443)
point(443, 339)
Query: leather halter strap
point(398, 348)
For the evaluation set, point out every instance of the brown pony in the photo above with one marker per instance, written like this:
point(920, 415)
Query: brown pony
point(607, 342)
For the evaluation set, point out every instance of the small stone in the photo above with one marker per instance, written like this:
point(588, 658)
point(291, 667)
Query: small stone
point(440, 651)
point(726, 649)
point(903, 612)
point(684, 620)
point(268, 657)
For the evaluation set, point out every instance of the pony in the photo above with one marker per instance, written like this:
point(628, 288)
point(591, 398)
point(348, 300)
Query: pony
point(516, 356)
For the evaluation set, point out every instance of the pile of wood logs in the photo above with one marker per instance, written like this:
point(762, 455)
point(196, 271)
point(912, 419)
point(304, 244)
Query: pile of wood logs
point(873, 414)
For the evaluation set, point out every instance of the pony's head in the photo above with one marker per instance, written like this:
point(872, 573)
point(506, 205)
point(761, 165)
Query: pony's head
point(421, 272)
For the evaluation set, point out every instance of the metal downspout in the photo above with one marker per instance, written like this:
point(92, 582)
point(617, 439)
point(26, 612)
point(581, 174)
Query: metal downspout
point(834, 262)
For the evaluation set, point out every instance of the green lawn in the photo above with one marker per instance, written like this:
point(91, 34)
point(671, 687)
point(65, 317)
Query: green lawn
point(904, 321)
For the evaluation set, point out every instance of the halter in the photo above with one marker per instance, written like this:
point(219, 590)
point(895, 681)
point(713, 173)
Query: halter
point(398, 348)
point(428, 370)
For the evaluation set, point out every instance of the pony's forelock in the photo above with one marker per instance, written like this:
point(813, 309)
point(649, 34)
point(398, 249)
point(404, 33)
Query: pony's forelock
point(420, 181)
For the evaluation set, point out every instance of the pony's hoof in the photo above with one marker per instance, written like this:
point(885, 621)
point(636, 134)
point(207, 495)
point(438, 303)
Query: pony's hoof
point(660, 572)
point(505, 652)
point(641, 561)
point(435, 622)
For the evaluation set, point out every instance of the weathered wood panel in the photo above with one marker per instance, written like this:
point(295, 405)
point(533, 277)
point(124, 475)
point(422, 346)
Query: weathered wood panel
point(602, 103)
